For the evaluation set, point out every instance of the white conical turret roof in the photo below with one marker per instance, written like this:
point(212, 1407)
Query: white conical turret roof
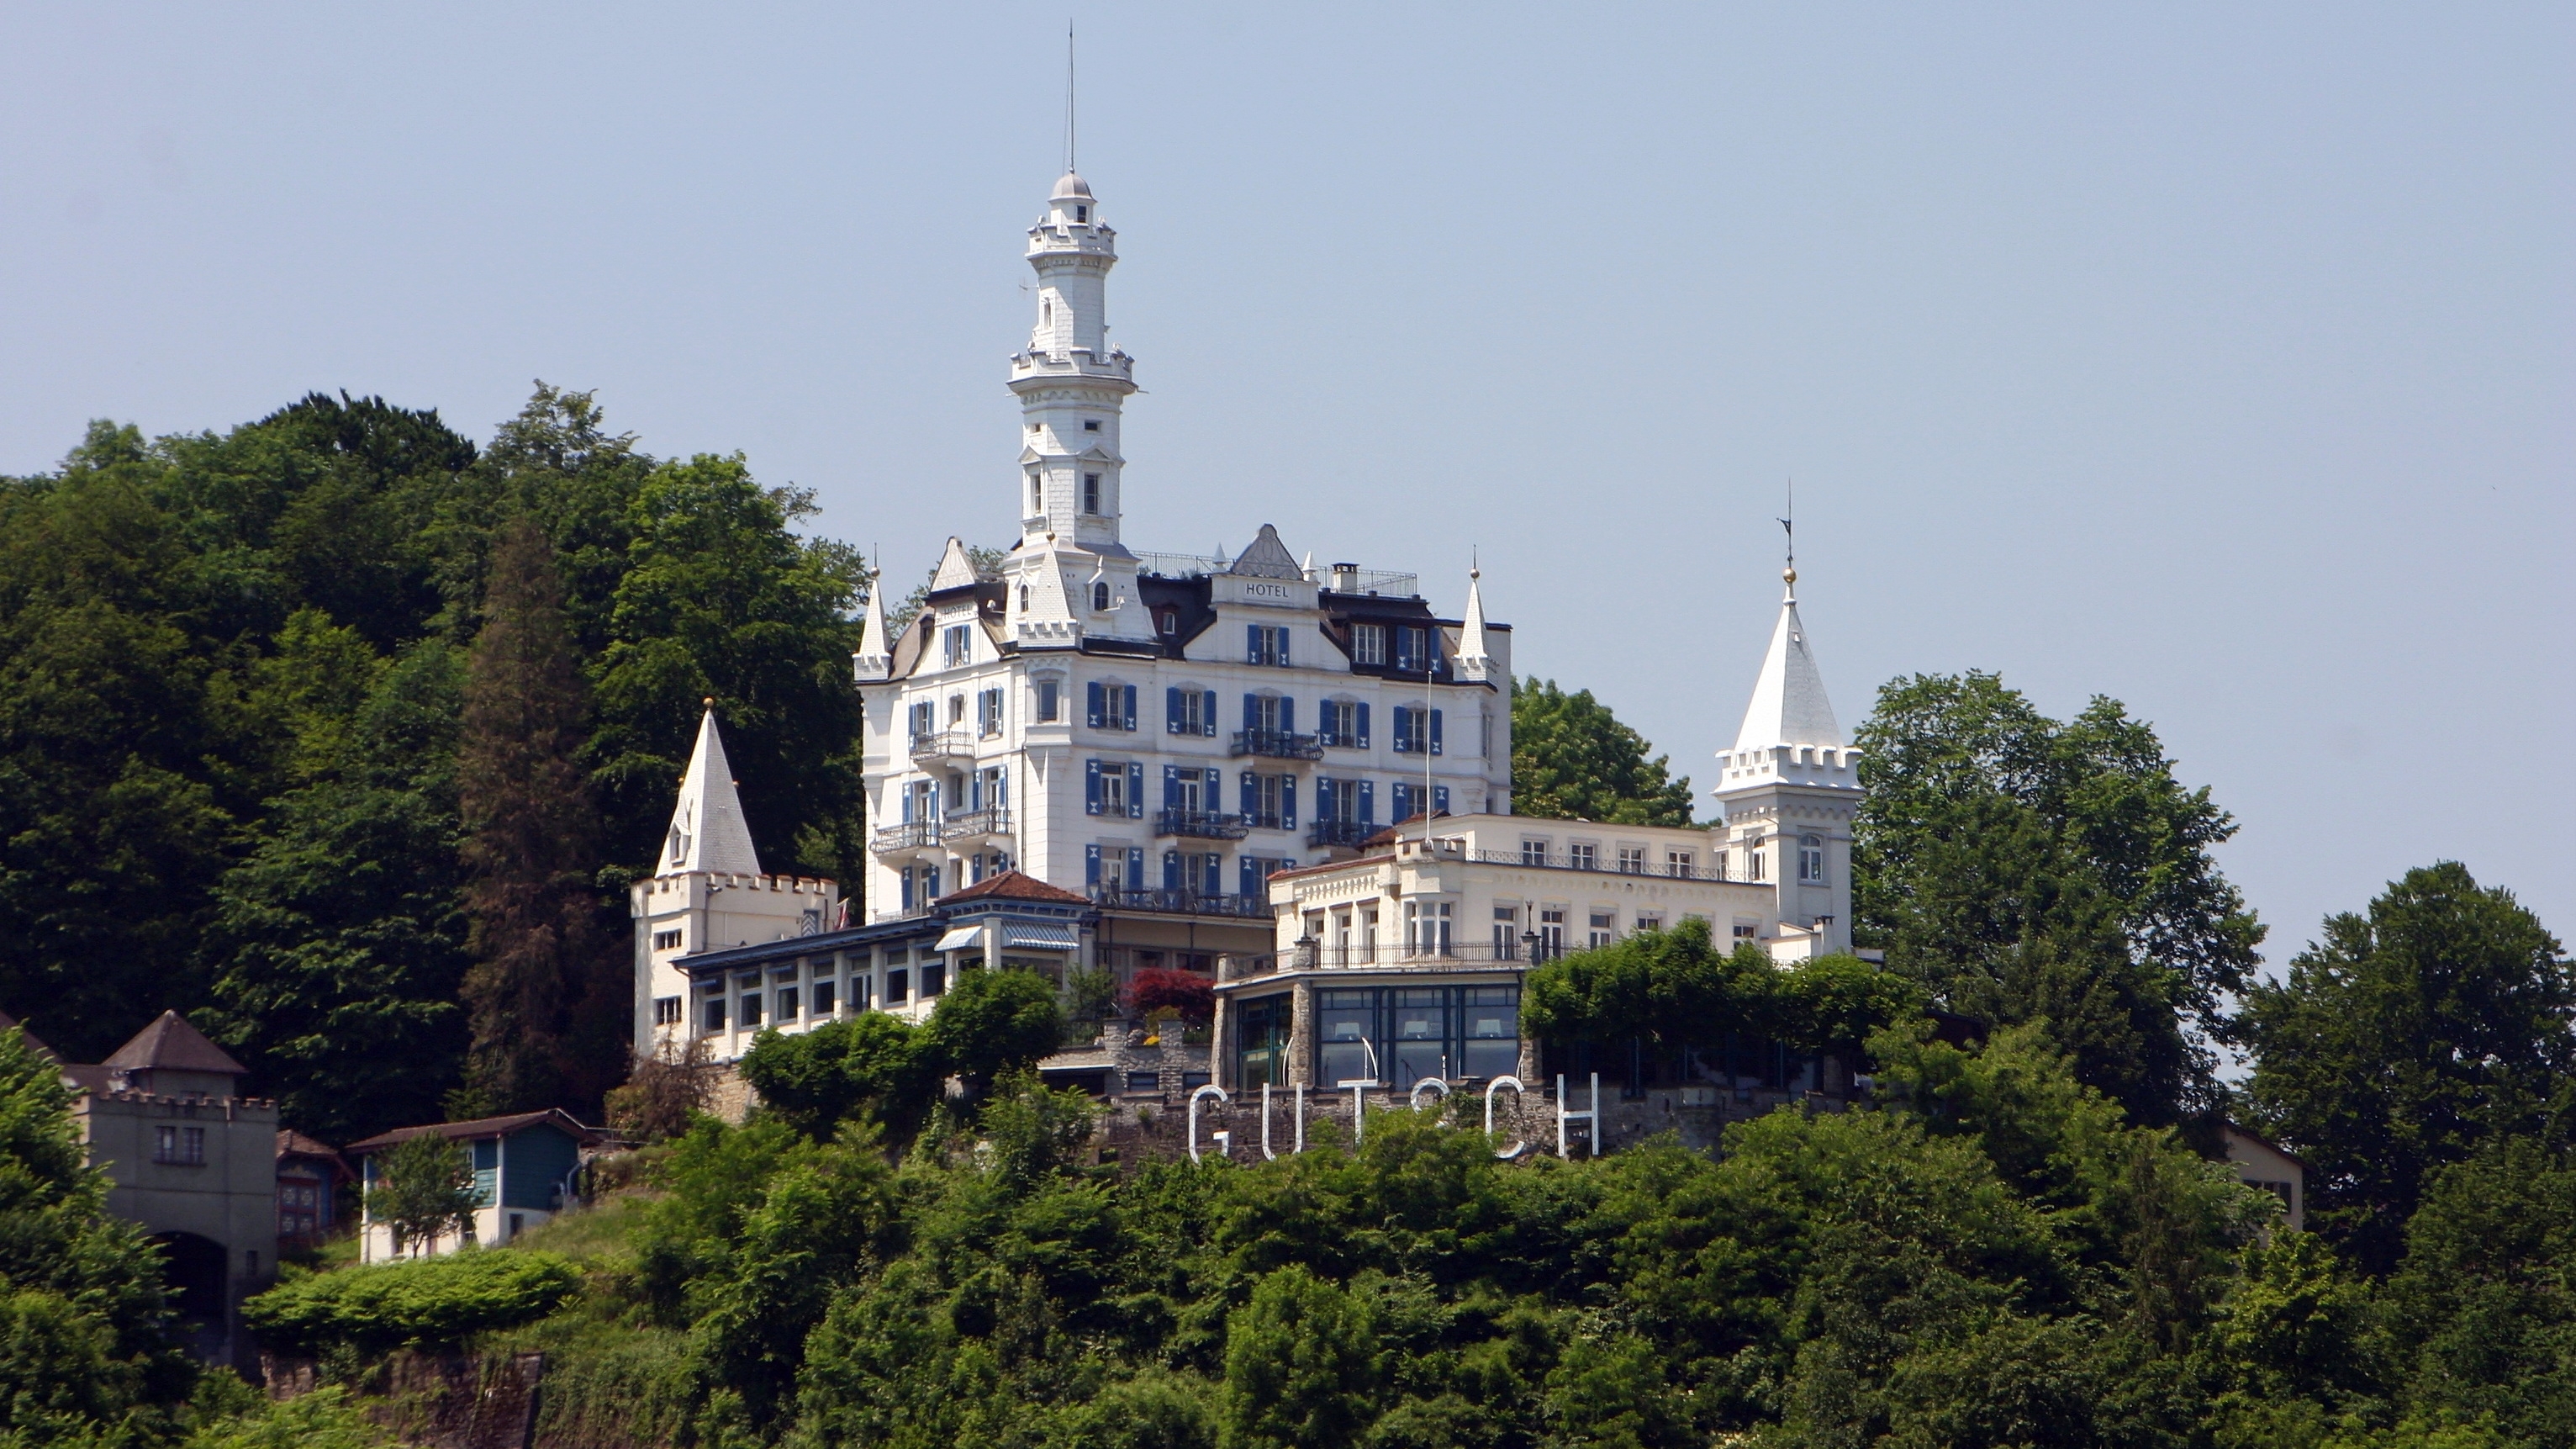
point(707, 829)
point(874, 658)
point(1789, 705)
point(1475, 661)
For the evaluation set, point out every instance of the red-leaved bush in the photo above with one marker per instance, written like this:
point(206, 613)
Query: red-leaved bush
point(1187, 992)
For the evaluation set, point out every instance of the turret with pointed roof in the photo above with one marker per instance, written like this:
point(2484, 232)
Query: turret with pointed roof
point(1790, 788)
point(1475, 656)
point(707, 829)
point(874, 658)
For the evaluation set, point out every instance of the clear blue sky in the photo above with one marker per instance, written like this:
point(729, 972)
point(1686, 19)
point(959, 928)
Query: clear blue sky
point(2216, 358)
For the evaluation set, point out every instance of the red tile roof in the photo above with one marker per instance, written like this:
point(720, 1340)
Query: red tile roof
point(1010, 885)
point(479, 1127)
point(170, 1044)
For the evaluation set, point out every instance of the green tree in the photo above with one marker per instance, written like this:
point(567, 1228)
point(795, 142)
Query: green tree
point(84, 1342)
point(2027, 869)
point(815, 1080)
point(2438, 1020)
point(993, 1022)
point(1573, 760)
point(424, 1188)
point(547, 989)
point(1302, 1366)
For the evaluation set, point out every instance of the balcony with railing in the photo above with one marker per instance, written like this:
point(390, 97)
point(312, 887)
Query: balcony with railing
point(1324, 834)
point(991, 820)
point(1181, 902)
point(1200, 824)
point(1539, 860)
point(943, 745)
point(910, 835)
point(1275, 745)
point(1396, 956)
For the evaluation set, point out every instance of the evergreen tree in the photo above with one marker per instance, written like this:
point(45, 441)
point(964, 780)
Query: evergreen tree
point(1573, 760)
point(547, 990)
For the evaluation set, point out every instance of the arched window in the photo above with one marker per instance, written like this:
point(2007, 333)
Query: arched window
point(1024, 598)
point(1100, 595)
point(1811, 860)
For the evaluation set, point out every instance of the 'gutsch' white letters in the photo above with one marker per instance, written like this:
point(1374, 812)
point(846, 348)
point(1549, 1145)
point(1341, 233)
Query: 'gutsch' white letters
point(1431, 1088)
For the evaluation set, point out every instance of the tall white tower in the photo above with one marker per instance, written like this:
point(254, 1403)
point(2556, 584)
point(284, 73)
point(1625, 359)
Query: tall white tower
point(1070, 575)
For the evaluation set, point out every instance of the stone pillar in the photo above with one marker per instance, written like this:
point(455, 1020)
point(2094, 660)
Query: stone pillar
point(1221, 1056)
point(1301, 1033)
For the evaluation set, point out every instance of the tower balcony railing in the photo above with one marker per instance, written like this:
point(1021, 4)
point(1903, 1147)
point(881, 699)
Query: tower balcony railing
point(1199, 824)
point(910, 835)
point(954, 744)
point(1276, 745)
point(1326, 833)
point(988, 821)
point(1181, 902)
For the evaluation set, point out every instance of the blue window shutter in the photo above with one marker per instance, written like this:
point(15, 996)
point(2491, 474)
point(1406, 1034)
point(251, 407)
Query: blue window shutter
point(1135, 867)
point(1130, 721)
point(930, 875)
point(1368, 803)
point(1283, 644)
point(1287, 716)
point(1440, 798)
point(1251, 796)
point(1435, 732)
point(1251, 875)
point(1363, 709)
point(1091, 787)
point(1403, 802)
point(1172, 710)
point(1097, 700)
point(1325, 790)
point(1207, 715)
point(1171, 870)
point(1136, 791)
point(1288, 802)
point(1091, 865)
point(1251, 643)
point(1252, 711)
point(1171, 787)
point(911, 804)
point(1214, 799)
point(1403, 730)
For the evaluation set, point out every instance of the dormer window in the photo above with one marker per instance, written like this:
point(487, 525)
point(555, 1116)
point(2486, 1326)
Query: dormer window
point(1100, 596)
point(1024, 598)
point(1170, 621)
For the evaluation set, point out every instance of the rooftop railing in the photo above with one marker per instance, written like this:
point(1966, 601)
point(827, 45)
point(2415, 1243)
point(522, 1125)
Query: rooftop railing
point(1538, 860)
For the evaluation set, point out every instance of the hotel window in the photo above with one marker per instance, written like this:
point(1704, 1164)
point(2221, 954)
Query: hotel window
point(182, 1146)
point(1507, 932)
point(1091, 493)
point(1746, 930)
point(713, 1014)
point(1551, 930)
point(1649, 921)
point(751, 1003)
point(1632, 860)
point(1605, 929)
point(1100, 596)
point(1368, 643)
point(988, 712)
point(956, 710)
point(954, 649)
point(861, 986)
point(824, 997)
point(1752, 863)
point(1345, 724)
point(1168, 621)
point(1050, 701)
point(666, 1011)
point(934, 978)
point(1111, 706)
point(922, 718)
point(1091, 425)
point(1533, 851)
point(1583, 855)
point(1811, 860)
point(1189, 711)
point(1417, 731)
point(787, 994)
point(666, 940)
point(1037, 504)
point(1265, 644)
point(1426, 928)
point(898, 987)
point(1677, 862)
point(1412, 648)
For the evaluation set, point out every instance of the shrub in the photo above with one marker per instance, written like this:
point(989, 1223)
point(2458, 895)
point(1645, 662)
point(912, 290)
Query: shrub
point(1187, 992)
point(403, 1305)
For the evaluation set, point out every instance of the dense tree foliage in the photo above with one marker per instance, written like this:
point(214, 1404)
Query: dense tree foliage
point(1675, 991)
point(2027, 869)
point(84, 1341)
point(987, 1025)
point(233, 673)
point(2442, 1019)
point(1573, 760)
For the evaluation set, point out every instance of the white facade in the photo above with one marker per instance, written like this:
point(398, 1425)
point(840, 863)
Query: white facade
point(1157, 732)
point(1790, 788)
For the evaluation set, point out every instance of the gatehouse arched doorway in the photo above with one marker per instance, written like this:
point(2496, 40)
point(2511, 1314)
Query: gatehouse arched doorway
point(195, 1272)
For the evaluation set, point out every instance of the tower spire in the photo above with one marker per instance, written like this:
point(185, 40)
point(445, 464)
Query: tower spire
point(874, 658)
point(1474, 660)
point(1068, 97)
point(707, 829)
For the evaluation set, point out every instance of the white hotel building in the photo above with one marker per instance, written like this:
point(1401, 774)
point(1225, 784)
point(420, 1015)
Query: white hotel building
point(1099, 758)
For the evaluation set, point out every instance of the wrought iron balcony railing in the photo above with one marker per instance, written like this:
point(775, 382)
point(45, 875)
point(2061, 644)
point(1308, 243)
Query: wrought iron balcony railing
point(943, 745)
point(1181, 903)
point(1199, 824)
point(910, 835)
point(1340, 832)
point(1276, 745)
point(967, 824)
